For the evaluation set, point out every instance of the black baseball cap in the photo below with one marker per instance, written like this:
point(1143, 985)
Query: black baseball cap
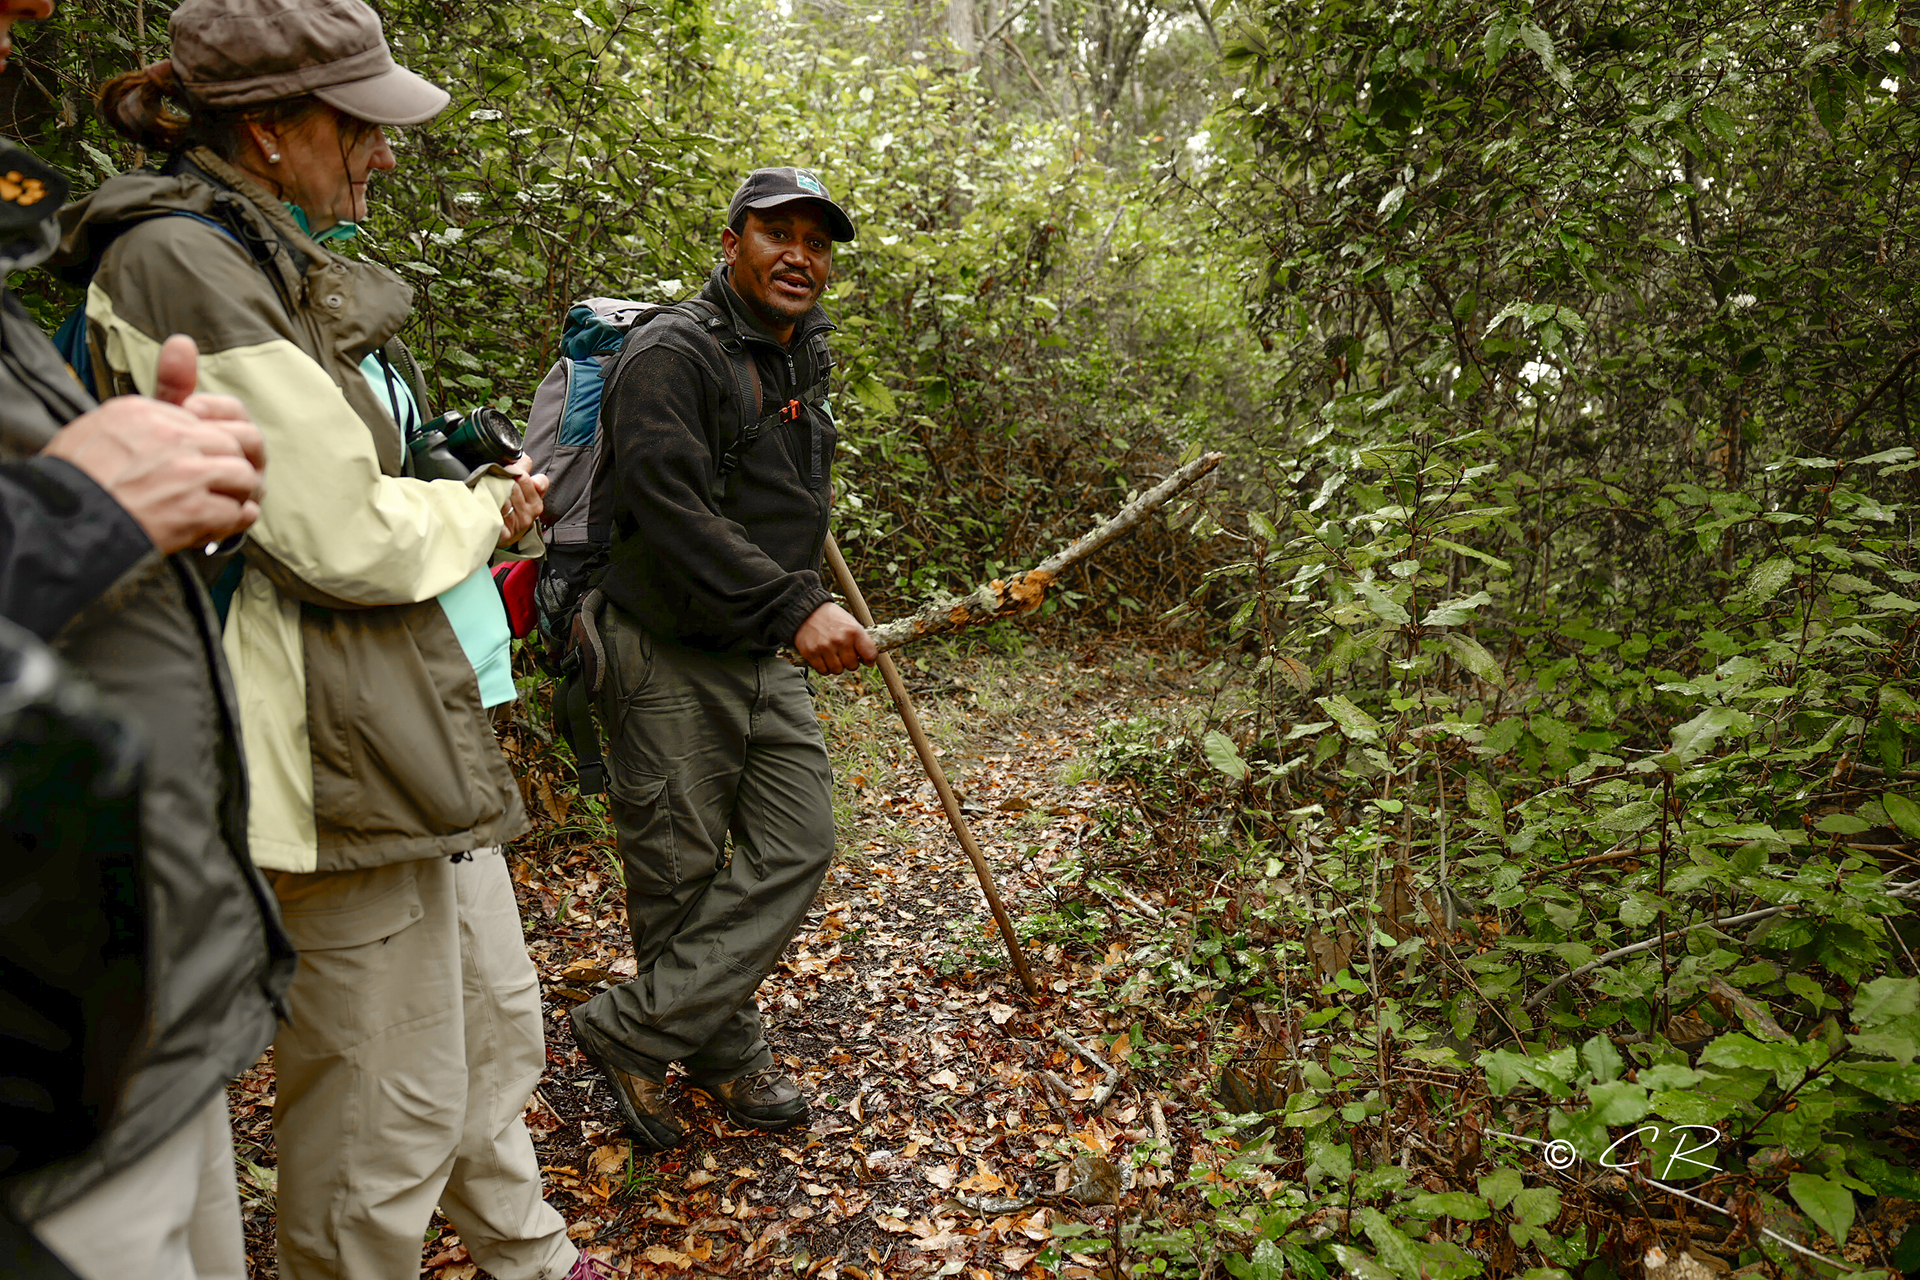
point(771, 188)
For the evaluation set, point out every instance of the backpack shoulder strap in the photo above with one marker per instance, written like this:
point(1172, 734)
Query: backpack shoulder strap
point(698, 310)
point(400, 356)
point(746, 379)
point(71, 337)
point(753, 428)
point(229, 216)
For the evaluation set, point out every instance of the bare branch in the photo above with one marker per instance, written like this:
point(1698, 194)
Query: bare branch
point(1005, 597)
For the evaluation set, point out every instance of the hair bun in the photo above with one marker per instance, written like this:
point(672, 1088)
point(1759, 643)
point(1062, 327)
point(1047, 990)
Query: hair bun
point(147, 107)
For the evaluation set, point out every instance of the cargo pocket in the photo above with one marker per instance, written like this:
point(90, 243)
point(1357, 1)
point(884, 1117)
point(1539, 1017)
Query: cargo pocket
point(642, 813)
point(364, 954)
point(336, 909)
point(629, 656)
point(403, 749)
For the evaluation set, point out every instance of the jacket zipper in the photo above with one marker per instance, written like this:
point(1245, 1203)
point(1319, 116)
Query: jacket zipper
point(817, 493)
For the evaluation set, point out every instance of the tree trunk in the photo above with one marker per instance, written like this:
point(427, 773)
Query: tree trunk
point(1050, 34)
point(963, 30)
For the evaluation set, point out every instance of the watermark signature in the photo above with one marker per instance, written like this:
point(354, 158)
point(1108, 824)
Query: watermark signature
point(1675, 1148)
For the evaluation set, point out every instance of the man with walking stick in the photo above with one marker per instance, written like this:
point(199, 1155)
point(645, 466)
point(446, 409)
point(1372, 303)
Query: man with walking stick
point(721, 447)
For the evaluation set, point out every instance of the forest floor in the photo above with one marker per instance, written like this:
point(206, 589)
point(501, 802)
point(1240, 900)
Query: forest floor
point(953, 1131)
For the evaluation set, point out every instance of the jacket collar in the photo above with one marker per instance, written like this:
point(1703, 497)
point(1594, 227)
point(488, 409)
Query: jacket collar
point(358, 304)
point(193, 182)
point(721, 291)
point(302, 247)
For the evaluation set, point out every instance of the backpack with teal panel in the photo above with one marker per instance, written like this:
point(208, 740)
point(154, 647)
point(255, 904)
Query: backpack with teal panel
point(564, 441)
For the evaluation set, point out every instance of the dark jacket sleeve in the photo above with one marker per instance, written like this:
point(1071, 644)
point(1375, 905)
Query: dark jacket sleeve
point(63, 542)
point(664, 442)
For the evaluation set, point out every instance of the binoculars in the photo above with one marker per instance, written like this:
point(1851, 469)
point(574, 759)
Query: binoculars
point(455, 445)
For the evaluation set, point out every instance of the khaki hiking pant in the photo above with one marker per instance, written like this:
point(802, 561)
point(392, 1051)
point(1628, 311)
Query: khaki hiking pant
point(413, 1045)
point(173, 1214)
point(704, 746)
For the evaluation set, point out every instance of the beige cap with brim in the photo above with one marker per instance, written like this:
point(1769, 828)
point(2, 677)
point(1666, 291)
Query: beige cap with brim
point(235, 53)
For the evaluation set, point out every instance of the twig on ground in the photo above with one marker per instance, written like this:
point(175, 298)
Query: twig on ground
point(1898, 891)
point(1058, 1093)
point(1108, 890)
point(1727, 1213)
point(1104, 1093)
point(1162, 1171)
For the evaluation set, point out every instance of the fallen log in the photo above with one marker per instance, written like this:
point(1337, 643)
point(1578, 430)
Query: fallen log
point(1006, 597)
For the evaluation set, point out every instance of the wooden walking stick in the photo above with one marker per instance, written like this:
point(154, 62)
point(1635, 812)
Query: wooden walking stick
point(903, 702)
point(1001, 598)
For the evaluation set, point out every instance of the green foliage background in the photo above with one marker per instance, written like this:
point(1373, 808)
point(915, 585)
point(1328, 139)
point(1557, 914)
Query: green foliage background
point(1026, 326)
point(1562, 588)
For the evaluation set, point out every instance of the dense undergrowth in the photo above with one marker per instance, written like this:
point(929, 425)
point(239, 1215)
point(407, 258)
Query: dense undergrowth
point(1025, 324)
point(1552, 826)
point(1640, 896)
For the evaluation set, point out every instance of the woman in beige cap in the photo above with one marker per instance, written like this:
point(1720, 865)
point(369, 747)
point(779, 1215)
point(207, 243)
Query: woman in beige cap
point(357, 628)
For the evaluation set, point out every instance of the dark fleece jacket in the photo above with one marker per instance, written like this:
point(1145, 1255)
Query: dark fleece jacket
point(729, 566)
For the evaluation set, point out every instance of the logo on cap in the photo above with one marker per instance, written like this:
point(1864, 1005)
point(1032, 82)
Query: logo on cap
point(17, 188)
point(807, 182)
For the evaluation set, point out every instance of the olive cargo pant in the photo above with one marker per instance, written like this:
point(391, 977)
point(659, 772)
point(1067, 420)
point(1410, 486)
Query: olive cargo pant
point(703, 746)
point(413, 1045)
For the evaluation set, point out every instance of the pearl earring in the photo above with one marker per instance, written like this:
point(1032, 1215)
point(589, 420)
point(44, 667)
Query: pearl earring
point(273, 157)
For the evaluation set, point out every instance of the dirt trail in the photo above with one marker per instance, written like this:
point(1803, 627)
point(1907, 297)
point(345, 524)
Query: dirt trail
point(894, 1008)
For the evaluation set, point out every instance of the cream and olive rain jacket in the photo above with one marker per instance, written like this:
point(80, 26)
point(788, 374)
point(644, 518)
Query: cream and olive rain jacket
point(365, 737)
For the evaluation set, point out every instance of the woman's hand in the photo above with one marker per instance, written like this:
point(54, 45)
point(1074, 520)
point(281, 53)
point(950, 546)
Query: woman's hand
point(524, 504)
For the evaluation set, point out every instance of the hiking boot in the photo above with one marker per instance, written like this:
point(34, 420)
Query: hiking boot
point(642, 1103)
point(763, 1099)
